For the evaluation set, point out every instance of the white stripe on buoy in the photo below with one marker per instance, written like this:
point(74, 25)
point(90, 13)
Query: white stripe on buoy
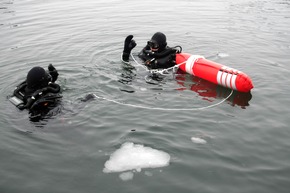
point(223, 79)
point(218, 78)
point(190, 63)
point(233, 82)
point(227, 77)
point(228, 80)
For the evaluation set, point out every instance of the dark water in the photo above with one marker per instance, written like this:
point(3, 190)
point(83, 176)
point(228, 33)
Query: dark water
point(247, 136)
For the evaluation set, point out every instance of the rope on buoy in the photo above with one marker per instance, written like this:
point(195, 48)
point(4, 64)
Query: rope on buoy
point(158, 71)
point(162, 72)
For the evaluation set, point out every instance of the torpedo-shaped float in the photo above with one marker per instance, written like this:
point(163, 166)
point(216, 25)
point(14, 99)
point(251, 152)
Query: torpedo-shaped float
point(214, 72)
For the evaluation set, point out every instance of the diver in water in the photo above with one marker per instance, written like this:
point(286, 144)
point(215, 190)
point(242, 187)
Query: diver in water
point(39, 92)
point(156, 54)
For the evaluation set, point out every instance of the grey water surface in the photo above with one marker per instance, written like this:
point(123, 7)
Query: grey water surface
point(247, 147)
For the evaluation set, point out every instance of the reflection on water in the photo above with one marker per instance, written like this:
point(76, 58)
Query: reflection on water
point(128, 74)
point(209, 91)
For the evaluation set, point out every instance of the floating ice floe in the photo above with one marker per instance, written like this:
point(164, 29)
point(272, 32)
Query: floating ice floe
point(132, 156)
point(223, 55)
point(198, 140)
point(125, 176)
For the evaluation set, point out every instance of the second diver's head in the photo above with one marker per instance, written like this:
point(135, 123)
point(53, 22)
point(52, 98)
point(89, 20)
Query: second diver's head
point(37, 78)
point(157, 42)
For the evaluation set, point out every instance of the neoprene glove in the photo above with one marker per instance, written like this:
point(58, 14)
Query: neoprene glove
point(129, 44)
point(53, 72)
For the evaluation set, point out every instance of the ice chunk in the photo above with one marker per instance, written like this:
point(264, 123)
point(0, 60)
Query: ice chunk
point(198, 140)
point(125, 176)
point(223, 55)
point(132, 156)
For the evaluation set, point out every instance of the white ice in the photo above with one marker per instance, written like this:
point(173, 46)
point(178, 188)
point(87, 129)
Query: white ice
point(223, 55)
point(198, 140)
point(125, 176)
point(132, 156)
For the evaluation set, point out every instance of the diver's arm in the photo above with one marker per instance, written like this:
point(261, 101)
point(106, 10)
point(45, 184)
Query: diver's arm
point(165, 59)
point(129, 44)
point(164, 53)
point(53, 72)
point(144, 54)
point(125, 58)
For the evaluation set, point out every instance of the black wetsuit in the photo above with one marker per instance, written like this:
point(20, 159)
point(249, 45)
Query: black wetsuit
point(163, 58)
point(32, 98)
point(38, 93)
point(156, 54)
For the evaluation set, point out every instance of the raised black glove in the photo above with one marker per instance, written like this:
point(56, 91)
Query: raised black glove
point(53, 72)
point(129, 44)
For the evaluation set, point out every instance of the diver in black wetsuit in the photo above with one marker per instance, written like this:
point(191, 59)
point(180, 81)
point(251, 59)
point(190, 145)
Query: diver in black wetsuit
point(156, 54)
point(38, 92)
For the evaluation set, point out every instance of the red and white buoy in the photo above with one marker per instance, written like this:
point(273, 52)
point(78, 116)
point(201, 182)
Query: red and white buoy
point(214, 72)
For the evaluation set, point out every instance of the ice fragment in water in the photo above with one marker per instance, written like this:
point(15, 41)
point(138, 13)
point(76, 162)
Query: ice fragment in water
point(198, 140)
point(223, 55)
point(125, 176)
point(132, 156)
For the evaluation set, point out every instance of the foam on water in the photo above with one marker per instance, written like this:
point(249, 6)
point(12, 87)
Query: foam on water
point(132, 156)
